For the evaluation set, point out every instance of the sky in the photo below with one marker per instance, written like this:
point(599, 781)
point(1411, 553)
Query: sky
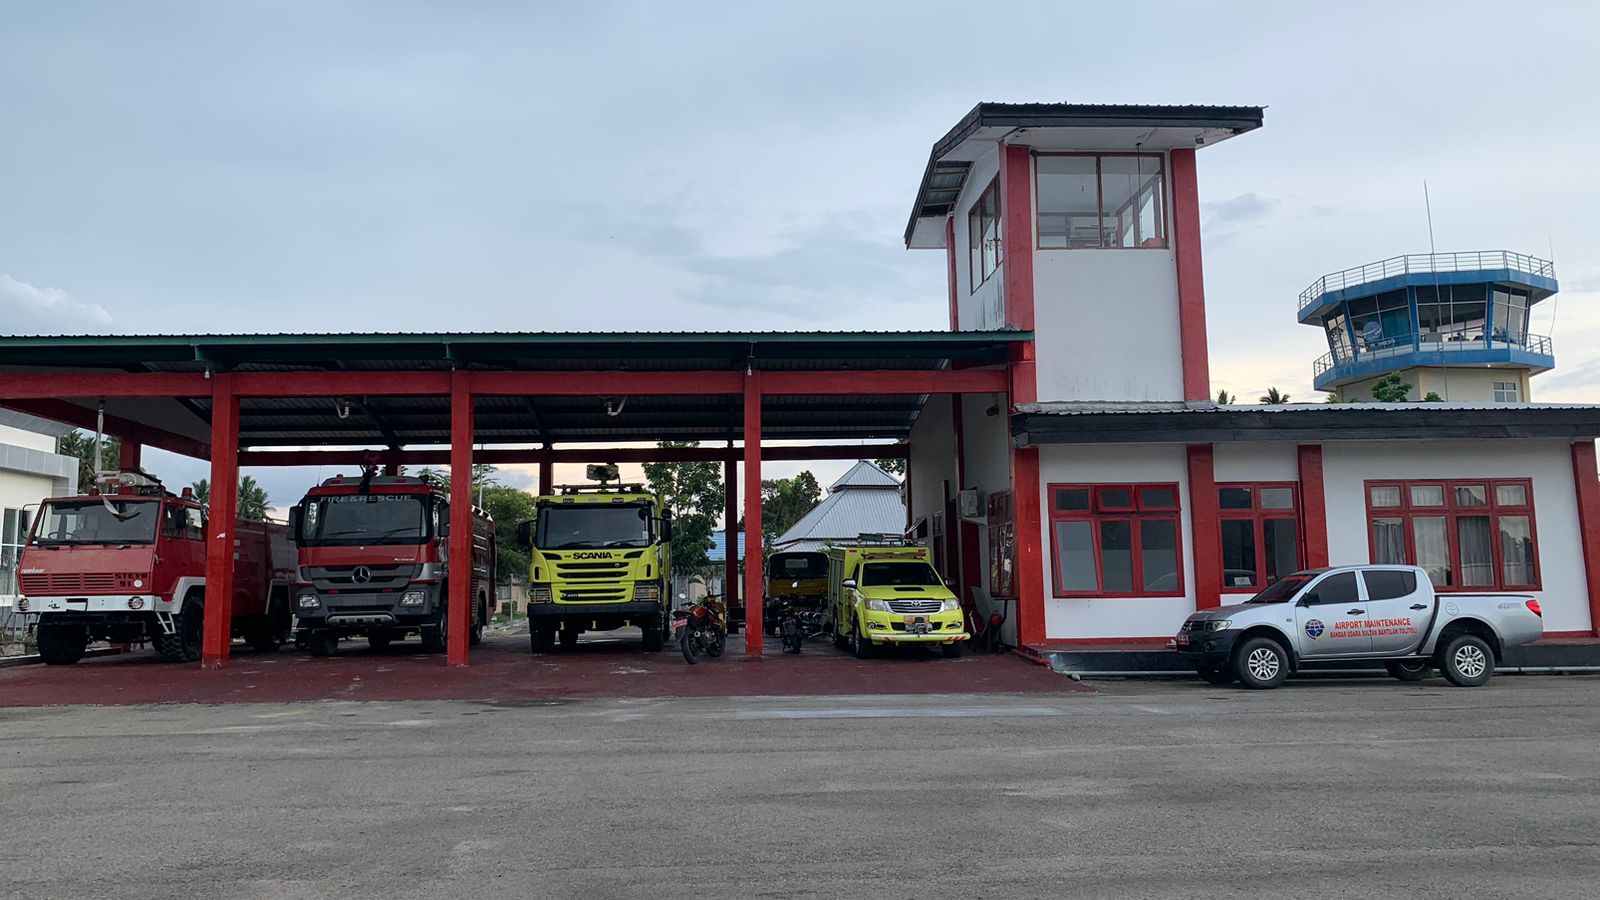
point(356, 166)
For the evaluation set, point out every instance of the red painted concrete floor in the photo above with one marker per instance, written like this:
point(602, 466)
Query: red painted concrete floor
point(601, 666)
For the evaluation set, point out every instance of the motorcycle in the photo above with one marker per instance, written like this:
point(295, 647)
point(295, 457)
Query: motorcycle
point(700, 628)
point(797, 623)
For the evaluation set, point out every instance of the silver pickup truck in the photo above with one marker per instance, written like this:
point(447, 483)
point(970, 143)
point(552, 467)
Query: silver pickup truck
point(1362, 614)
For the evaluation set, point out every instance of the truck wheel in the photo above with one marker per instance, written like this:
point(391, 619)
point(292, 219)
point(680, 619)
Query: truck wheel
point(860, 646)
point(436, 637)
point(262, 634)
point(61, 644)
point(479, 614)
point(543, 638)
point(1468, 661)
point(951, 650)
point(184, 644)
point(840, 642)
point(323, 642)
point(1219, 675)
point(1261, 663)
point(1408, 669)
point(652, 637)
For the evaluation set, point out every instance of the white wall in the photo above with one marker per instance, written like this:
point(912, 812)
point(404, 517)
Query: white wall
point(983, 310)
point(933, 458)
point(1347, 465)
point(1123, 617)
point(1455, 385)
point(19, 437)
point(1106, 325)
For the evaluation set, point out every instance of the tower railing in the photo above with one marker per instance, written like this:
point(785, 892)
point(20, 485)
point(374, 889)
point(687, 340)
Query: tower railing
point(1436, 347)
point(1470, 261)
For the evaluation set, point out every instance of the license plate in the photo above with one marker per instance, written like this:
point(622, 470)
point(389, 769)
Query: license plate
point(1181, 640)
point(916, 625)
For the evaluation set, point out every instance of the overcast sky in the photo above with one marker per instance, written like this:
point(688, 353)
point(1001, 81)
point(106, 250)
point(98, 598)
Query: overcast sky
point(317, 166)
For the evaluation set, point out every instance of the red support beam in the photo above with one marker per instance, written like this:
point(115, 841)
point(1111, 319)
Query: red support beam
point(730, 527)
point(755, 632)
point(86, 385)
point(217, 632)
point(343, 384)
point(436, 457)
point(126, 429)
point(459, 601)
point(1016, 212)
point(1191, 276)
point(1025, 490)
point(911, 381)
point(1313, 505)
point(129, 455)
point(547, 474)
point(1586, 478)
point(1203, 519)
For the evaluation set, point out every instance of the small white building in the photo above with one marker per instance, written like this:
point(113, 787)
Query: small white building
point(30, 470)
point(864, 500)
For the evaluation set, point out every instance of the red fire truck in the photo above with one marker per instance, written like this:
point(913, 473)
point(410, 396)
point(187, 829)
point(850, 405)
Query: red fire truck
point(375, 562)
point(127, 563)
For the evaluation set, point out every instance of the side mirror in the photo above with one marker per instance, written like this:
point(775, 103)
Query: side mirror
point(666, 526)
point(848, 582)
point(297, 514)
point(1310, 599)
point(525, 535)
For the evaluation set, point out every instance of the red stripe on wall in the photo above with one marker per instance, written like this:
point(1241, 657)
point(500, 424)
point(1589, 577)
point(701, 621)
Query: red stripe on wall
point(1587, 481)
point(1203, 518)
point(1030, 559)
point(1313, 505)
point(1016, 212)
point(1191, 279)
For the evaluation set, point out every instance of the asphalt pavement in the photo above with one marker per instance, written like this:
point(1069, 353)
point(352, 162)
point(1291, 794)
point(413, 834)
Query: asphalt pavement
point(1329, 788)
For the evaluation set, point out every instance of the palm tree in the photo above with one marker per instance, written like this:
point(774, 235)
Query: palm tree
point(1224, 398)
point(253, 500)
point(1273, 397)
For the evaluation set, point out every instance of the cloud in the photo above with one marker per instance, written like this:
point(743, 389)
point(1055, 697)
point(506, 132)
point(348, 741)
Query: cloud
point(1236, 212)
point(26, 309)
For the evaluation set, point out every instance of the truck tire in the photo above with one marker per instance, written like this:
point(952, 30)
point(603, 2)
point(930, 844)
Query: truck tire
point(184, 644)
point(436, 637)
point(840, 642)
point(1261, 663)
point(1468, 661)
point(543, 638)
point(653, 638)
point(1219, 675)
point(61, 644)
point(860, 646)
point(480, 614)
point(323, 642)
point(1409, 669)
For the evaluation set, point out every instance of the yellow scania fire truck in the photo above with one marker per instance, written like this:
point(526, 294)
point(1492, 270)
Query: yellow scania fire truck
point(600, 561)
point(882, 590)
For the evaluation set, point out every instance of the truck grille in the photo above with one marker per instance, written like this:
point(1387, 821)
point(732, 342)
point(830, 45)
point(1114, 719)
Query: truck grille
point(342, 578)
point(69, 583)
point(918, 607)
point(591, 571)
point(597, 594)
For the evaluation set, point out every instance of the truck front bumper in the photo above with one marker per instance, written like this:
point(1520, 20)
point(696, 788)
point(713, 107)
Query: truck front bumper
point(553, 613)
point(367, 610)
point(930, 638)
point(109, 603)
point(1206, 649)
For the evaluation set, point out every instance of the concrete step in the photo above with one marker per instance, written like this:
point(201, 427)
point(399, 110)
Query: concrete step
point(1555, 656)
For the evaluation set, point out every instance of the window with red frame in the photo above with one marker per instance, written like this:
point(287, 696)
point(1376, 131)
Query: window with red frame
point(1468, 534)
point(1116, 540)
point(1260, 527)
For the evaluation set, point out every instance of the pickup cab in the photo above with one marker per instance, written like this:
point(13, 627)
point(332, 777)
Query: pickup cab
point(1358, 614)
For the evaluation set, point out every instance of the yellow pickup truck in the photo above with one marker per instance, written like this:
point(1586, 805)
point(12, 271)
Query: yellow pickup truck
point(882, 591)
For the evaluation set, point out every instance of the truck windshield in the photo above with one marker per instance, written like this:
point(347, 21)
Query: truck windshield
point(589, 526)
point(108, 521)
point(798, 565)
point(364, 519)
point(1281, 591)
point(898, 574)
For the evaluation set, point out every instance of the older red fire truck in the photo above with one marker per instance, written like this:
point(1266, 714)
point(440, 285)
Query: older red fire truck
point(127, 563)
point(375, 561)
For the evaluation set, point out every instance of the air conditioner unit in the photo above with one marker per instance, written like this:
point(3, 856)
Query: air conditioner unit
point(969, 504)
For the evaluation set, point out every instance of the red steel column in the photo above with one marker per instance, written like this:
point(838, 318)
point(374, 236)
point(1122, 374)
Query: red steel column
point(755, 632)
point(1587, 481)
point(547, 475)
point(1016, 215)
point(460, 577)
point(1313, 505)
point(1191, 278)
point(1203, 524)
point(130, 456)
point(1030, 555)
point(222, 522)
point(730, 531)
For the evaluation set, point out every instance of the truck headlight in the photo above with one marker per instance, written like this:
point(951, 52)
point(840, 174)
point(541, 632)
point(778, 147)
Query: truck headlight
point(878, 605)
point(539, 593)
point(22, 604)
point(646, 590)
point(308, 601)
point(413, 598)
point(1218, 625)
point(136, 603)
point(950, 605)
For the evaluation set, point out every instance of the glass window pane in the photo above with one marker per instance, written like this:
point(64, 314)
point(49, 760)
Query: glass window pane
point(1072, 499)
point(1280, 538)
point(1516, 549)
point(1075, 555)
point(1389, 585)
point(1239, 553)
point(1339, 587)
point(1389, 541)
point(1277, 498)
point(1158, 548)
point(1069, 201)
point(1471, 495)
point(1125, 182)
point(1158, 498)
point(1116, 556)
point(8, 526)
point(1427, 495)
point(1477, 554)
point(1511, 494)
point(1115, 498)
point(1233, 498)
point(1385, 496)
point(1433, 548)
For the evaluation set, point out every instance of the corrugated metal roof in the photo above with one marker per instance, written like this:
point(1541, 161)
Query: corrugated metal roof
point(719, 546)
point(864, 475)
point(850, 510)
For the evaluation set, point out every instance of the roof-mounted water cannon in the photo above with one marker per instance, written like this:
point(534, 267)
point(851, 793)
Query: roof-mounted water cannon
point(130, 482)
point(603, 473)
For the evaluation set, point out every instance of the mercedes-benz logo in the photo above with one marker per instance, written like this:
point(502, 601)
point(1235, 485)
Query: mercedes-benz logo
point(361, 575)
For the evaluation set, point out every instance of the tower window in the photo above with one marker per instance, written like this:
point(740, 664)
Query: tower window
point(983, 235)
point(1105, 201)
point(1507, 392)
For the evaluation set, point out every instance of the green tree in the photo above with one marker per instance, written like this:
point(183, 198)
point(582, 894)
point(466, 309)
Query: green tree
point(695, 493)
point(892, 466)
point(1390, 388)
point(1432, 397)
point(509, 507)
point(1273, 397)
point(785, 501)
point(81, 445)
point(253, 501)
point(1224, 398)
point(483, 475)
